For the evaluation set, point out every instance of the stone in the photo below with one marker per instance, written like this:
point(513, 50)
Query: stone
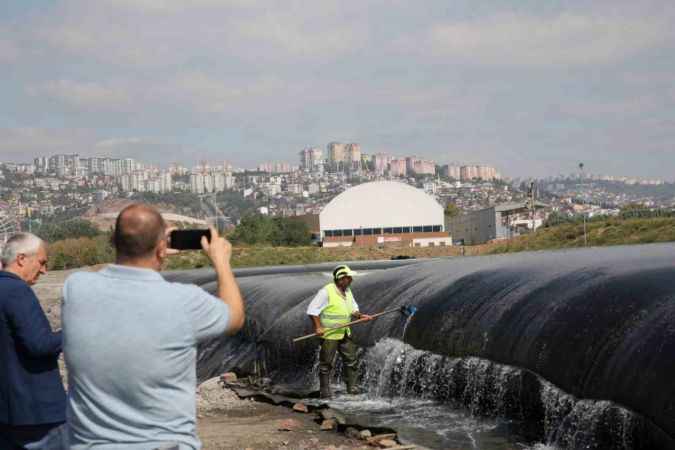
point(352, 432)
point(328, 424)
point(229, 377)
point(365, 434)
point(327, 413)
point(387, 443)
point(300, 407)
point(378, 437)
point(289, 425)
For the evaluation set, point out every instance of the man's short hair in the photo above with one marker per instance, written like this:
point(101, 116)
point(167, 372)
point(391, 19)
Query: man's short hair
point(138, 230)
point(20, 243)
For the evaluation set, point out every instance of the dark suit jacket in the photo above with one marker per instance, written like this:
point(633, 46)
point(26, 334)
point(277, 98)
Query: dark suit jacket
point(31, 392)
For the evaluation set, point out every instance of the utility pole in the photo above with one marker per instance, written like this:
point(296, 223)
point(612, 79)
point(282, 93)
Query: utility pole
point(531, 202)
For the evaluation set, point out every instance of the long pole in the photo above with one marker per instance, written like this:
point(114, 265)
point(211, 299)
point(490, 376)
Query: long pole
point(389, 311)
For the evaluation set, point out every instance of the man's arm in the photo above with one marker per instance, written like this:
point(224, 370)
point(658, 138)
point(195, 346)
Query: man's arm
point(219, 251)
point(318, 329)
point(30, 325)
point(318, 303)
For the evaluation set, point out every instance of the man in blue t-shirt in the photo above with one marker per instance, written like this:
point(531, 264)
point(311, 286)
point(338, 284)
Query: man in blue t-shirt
point(130, 340)
point(32, 399)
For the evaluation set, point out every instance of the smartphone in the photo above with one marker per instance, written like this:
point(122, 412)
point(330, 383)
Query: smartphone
point(188, 239)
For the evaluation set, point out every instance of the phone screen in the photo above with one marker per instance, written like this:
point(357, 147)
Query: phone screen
point(188, 239)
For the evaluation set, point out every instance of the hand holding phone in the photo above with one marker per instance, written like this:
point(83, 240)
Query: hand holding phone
point(218, 249)
point(188, 239)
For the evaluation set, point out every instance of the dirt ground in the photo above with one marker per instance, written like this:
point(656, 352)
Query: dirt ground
point(224, 421)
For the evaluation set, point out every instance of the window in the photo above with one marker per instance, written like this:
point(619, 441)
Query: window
point(437, 228)
point(337, 233)
point(407, 229)
point(388, 230)
point(377, 230)
point(328, 233)
point(358, 232)
point(346, 232)
point(442, 243)
point(398, 230)
point(367, 231)
point(417, 244)
point(432, 244)
point(428, 228)
point(417, 229)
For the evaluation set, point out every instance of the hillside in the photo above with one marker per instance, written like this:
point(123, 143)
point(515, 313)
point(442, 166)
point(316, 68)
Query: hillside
point(599, 233)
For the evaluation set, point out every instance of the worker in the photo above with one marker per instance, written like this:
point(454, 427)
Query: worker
point(334, 305)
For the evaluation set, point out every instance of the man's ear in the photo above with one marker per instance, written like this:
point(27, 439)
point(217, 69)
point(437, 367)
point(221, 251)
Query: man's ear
point(21, 260)
point(161, 249)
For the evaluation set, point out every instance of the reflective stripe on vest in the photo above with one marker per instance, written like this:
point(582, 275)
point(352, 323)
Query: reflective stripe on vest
point(338, 312)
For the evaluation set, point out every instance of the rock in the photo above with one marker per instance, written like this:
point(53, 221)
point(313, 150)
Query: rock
point(300, 407)
point(387, 443)
point(289, 425)
point(229, 377)
point(352, 432)
point(365, 434)
point(327, 413)
point(328, 424)
point(379, 437)
point(212, 397)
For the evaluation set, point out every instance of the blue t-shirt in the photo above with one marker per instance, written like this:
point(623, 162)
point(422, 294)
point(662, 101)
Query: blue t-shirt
point(130, 343)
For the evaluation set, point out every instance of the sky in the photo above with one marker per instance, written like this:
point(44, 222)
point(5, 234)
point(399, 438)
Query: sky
point(532, 87)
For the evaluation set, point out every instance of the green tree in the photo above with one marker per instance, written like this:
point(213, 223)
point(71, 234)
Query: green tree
point(69, 229)
point(451, 210)
point(291, 233)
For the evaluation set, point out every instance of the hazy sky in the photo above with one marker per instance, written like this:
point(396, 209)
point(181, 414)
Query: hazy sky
point(533, 87)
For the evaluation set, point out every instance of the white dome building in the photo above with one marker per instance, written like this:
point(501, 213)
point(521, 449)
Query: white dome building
point(383, 212)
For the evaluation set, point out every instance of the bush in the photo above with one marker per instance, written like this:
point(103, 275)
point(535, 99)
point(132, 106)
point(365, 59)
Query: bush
point(72, 253)
point(257, 229)
point(69, 229)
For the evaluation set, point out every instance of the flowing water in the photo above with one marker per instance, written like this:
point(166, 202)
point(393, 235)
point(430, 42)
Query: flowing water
point(471, 403)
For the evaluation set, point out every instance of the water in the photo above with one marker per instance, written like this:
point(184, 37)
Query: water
point(471, 403)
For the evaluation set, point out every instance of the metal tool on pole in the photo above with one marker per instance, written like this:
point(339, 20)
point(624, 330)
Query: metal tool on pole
point(406, 310)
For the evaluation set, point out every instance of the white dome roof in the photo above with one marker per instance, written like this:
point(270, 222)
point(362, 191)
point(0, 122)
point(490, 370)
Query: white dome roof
point(381, 204)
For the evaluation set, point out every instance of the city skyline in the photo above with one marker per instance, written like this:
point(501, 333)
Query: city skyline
point(533, 89)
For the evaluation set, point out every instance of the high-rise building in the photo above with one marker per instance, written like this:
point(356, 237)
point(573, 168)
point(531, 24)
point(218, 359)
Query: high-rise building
point(380, 163)
point(471, 172)
point(165, 182)
point(336, 155)
point(451, 171)
point(352, 157)
point(397, 167)
point(41, 165)
point(311, 159)
point(197, 183)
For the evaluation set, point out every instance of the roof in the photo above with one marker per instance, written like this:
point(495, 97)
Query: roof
point(381, 204)
point(514, 206)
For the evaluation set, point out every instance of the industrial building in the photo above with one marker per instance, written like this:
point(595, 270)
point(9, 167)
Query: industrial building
point(383, 213)
point(497, 222)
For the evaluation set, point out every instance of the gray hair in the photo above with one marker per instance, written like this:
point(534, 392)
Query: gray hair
point(20, 243)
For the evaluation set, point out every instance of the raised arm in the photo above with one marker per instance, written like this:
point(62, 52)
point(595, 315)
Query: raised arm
point(219, 251)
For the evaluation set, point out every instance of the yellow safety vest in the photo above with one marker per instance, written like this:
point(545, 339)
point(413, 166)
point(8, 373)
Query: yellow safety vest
point(338, 312)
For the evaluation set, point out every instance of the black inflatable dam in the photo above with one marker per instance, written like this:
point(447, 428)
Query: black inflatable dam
point(578, 345)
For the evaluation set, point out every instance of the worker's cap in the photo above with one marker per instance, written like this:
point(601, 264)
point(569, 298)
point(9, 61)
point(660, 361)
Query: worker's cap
point(343, 271)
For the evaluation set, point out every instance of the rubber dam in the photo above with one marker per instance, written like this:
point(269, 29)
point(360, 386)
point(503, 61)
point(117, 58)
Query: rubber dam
point(567, 349)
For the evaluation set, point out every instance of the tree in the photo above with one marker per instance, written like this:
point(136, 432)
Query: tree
point(259, 229)
point(451, 210)
point(69, 229)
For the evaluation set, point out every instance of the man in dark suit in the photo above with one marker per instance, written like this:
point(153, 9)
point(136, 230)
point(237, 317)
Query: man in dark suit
point(32, 398)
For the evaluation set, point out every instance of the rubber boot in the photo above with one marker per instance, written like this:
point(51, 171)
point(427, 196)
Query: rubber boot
point(350, 379)
point(324, 384)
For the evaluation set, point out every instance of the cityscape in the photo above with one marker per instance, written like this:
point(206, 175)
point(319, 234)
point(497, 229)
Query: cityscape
point(67, 185)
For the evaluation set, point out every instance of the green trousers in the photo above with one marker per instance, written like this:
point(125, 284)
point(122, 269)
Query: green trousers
point(347, 350)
